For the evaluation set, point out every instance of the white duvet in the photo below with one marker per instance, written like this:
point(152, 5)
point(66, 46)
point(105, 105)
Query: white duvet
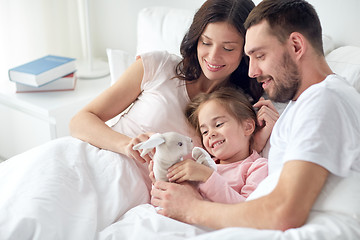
point(68, 189)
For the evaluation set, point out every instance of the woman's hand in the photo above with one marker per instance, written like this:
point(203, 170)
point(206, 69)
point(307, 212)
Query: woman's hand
point(151, 172)
point(188, 170)
point(175, 200)
point(267, 115)
point(135, 154)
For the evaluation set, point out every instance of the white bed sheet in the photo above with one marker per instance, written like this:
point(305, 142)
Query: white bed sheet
point(335, 215)
point(77, 191)
point(67, 189)
point(142, 222)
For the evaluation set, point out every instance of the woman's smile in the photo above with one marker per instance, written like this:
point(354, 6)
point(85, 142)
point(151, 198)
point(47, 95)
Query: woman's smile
point(213, 67)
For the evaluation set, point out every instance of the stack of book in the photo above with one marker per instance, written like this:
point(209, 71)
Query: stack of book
point(49, 73)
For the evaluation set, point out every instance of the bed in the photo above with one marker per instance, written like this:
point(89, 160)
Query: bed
point(87, 211)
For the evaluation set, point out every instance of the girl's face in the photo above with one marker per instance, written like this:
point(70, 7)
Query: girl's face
point(224, 136)
point(219, 49)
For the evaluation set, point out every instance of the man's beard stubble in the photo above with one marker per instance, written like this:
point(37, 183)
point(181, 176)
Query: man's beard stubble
point(288, 81)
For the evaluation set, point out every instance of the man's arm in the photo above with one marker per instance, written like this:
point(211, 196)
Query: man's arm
point(288, 206)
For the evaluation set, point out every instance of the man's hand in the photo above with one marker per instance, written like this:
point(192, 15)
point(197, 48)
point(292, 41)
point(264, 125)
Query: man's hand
point(175, 200)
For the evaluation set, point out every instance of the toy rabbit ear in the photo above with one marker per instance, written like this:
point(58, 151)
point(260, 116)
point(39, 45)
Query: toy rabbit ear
point(203, 157)
point(152, 142)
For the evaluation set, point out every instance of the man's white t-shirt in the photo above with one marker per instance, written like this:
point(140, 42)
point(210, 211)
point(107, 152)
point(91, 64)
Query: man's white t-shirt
point(314, 128)
point(322, 126)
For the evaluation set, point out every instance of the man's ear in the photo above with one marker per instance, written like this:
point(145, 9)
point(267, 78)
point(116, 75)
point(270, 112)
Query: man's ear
point(297, 44)
point(249, 126)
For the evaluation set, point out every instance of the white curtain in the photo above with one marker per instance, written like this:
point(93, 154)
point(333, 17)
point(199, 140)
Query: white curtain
point(30, 29)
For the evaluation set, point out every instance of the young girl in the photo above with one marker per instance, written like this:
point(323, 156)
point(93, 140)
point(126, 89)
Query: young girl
point(226, 122)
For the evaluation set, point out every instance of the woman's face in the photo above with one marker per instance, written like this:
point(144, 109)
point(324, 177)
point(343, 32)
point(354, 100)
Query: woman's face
point(219, 49)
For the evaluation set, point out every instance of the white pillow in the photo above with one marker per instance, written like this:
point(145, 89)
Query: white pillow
point(345, 61)
point(119, 61)
point(162, 28)
point(158, 28)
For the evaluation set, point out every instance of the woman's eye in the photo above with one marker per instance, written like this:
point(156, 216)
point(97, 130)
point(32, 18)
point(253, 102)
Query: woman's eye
point(204, 132)
point(205, 43)
point(228, 49)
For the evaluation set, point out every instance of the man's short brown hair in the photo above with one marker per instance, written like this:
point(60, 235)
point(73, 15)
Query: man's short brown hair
point(286, 17)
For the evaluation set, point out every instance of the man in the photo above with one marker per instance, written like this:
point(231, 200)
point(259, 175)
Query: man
point(314, 144)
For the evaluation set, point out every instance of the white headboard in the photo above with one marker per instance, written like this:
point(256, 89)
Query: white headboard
point(340, 19)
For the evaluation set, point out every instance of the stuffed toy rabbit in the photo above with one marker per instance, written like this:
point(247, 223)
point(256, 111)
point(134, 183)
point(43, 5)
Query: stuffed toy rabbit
point(171, 147)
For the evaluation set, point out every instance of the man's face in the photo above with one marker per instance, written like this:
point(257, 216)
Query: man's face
point(271, 64)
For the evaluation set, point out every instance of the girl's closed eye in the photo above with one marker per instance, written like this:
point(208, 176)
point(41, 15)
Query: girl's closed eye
point(219, 124)
point(204, 131)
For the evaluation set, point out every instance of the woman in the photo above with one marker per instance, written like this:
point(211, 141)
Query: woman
point(69, 189)
point(213, 56)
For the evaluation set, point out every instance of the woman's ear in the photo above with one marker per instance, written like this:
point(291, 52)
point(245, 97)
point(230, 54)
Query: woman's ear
point(249, 126)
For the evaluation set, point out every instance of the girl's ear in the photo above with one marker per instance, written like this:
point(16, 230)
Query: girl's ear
point(249, 126)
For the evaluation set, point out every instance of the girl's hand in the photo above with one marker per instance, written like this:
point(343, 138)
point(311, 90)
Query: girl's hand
point(135, 154)
point(267, 115)
point(189, 170)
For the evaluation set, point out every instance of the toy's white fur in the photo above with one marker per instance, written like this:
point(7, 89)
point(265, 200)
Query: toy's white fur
point(171, 147)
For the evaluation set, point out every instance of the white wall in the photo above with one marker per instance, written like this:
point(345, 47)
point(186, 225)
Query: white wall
point(34, 28)
point(340, 19)
point(31, 29)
